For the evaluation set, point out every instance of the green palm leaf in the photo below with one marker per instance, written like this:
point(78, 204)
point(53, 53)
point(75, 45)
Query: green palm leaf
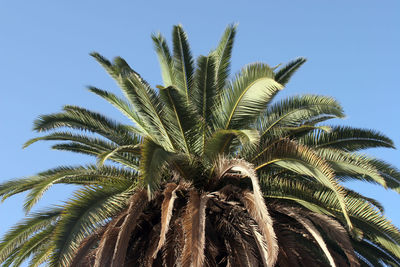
point(85, 120)
point(220, 143)
point(298, 110)
point(222, 55)
point(132, 149)
point(154, 158)
point(183, 61)
point(204, 93)
point(125, 108)
point(21, 233)
point(347, 138)
point(247, 96)
point(87, 210)
point(304, 161)
point(141, 96)
point(165, 59)
point(284, 74)
point(184, 117)
point(350, 166)
point(34, 244)
point(375, 255)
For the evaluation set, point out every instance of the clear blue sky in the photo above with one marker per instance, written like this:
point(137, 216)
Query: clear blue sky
point(352, 47)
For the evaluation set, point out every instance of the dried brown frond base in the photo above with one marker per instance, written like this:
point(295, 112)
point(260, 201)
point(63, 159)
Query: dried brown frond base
point(184, 227)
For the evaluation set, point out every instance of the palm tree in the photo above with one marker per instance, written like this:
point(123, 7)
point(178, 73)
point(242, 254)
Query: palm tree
point(212, 171)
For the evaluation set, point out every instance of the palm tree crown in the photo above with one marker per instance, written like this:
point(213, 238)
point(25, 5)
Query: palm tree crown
point(212, 171)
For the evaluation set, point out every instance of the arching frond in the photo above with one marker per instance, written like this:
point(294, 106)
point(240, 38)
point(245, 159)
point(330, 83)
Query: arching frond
point(308, 225)
point(376, 256)
point(126, 159)
point(88, 209)
point(194, 230)
point(351, 166)
point(255, 204)
point(297, 110)
point(284, 74)
point(141, 96)
point(389, 172)
point(136, 206)
point(80, 175)
point(220, 142)
point(302, 160)
point(21, 233)
point(346, 138)
point(35, 243)
point(337, 233)
point(166, 214)
point(42, 255)
point(133, 149)
point(247, 96)
point(126, 108)
point(79, 138)
point(312, 196)
point(83, 119)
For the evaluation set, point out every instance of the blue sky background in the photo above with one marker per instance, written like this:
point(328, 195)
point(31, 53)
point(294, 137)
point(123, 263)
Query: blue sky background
point(352, 47)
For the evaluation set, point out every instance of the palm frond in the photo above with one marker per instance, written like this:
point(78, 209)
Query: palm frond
point(204, 93)
point(347, 138)
point(309, 226)
point(260, 214)
point(85, 120)
point(389, 172)
point(376, 256)
point(254, 202)
point(126, 159)
point(247, 96)
point(337, 233)
point(296, 111)
point(222, 55)
point(165, 59)
point(153, 160)
point(194, 230)
point(141, 96)
point(42, 255)
point(284, 74)
point(75, 175)
point(151, 109)
point(311, 195)
point(125, 108)
point(88, 209)
point(220, 142)
point(88, 145)
point(69, 136)
point(351, 166)
point(33, 245)
point(132, 149)
point(21, 233)
point(184, 117)
point(302, 160)
point(183, 61)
